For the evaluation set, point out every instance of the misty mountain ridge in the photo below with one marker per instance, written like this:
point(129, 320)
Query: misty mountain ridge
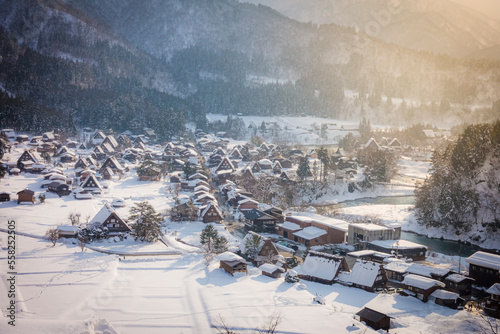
point(428, 25)
point(122, 64)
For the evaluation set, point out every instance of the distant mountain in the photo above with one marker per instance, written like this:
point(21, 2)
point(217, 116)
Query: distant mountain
point(127, 64)
point(438, 26)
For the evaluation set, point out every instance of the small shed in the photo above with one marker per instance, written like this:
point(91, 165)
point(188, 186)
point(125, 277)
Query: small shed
point(25, 196)
point(374, 319)
point(232, 263)
point(67, 231)
point(271, 270)
point(446, 298)
point(4, 197)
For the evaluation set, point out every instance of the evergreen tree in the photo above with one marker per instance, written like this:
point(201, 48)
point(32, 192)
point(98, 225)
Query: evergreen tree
point(208, 237)
point(252, 245)
point(303, 170)
point(148, 222)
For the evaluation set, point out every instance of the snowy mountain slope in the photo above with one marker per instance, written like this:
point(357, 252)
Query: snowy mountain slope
point(436, 26)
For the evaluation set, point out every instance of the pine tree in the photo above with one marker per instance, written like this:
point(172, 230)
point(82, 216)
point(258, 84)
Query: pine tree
point(303, 170)
point(252, 244)
point(148, 222)
point(207, 238)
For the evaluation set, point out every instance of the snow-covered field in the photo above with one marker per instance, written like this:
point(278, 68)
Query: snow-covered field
point(167, 287)
point(63, 290)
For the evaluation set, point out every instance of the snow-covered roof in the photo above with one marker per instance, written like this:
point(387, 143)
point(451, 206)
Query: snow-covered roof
point(457, 278)
point(399, 244)
point(421, 282)
point(494, 289)
point(270, 268)
point(371, 227)
point(338, 224)
point(427, 271)
point(310, 232)
point(67, 228)
point(265, 162)
point(318, 266)
point(290, 226)
point(397, 266)
point(443, 294)
point(102, 215)
point(484, 259)
point(362, 273)
point(228, 256)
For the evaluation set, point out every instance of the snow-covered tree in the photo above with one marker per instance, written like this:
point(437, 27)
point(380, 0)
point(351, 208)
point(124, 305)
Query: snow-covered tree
point(148, 222)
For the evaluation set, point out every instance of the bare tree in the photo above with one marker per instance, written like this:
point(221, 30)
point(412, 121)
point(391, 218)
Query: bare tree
point(222, 327)
point(269, 327)
point(52, 235)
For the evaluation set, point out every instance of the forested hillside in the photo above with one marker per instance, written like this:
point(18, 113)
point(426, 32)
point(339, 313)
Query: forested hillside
point(463, 191)
point(123, 65)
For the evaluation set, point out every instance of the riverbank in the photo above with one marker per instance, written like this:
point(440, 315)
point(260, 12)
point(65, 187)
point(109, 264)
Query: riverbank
point(400, 210)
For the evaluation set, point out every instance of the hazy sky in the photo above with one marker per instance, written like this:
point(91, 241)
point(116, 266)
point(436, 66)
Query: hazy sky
point(487, 7)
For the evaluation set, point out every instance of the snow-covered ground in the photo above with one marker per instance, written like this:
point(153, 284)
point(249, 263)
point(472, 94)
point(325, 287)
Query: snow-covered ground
point(63, 290)
point(167, 287)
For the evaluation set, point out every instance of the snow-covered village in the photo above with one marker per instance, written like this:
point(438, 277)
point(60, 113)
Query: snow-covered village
point(249, 166)
point(220, 249)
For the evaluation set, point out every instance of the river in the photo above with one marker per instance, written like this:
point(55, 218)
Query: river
point(447, 247)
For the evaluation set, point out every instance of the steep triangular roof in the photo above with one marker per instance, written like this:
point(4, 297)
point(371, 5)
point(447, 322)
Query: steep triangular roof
point(91, 183)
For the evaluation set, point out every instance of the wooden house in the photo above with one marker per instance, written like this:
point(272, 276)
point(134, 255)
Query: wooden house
point(235, 154)
point(25, 196)
point(139, 145)
point(107, 148)
point(28, 158)
point(257, 219)
point(365, 275)
point(184, 212)
point(491, 306)
point(225, 166)
point(67, 231)
point(484, 268)
point(247, 204)
point(72, 144)
point(374, 319)
point(321, 267)
point(255, 167)
point(99, 152)
point(247, 175)
point(211, 213)
point(81, 163)
point(108, 218)
point(459, 283)
point(315, 230)
point(421, 287)
point(446, 298)
point(48, 137)
point(371, 146)
point(271, 270)
point(232, 263)
point(404, 248)
point(59, 187)
point(111, 141)
point(67, 157)
point(115, 166)
point(98, 138)
point(107, 173)
point(91, 184)
point(268, 253)
point(124, 141)
point(4, 196)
